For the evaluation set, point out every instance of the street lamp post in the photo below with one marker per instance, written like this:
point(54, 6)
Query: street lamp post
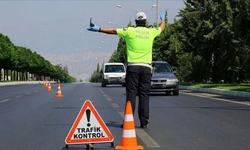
point(135, 10)
point(157, 12)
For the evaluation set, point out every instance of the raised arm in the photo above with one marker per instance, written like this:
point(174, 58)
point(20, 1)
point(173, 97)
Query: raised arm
point(163, 24)
point(95, 28)
point(108, 30)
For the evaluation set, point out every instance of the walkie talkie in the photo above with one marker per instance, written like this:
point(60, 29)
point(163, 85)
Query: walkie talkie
point(90, 23)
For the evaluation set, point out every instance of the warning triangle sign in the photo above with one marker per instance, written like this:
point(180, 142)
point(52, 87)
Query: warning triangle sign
point(88, 127)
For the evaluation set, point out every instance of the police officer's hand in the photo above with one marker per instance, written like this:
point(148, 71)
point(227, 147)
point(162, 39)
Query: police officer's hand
point(94, 28)
point(162, 16)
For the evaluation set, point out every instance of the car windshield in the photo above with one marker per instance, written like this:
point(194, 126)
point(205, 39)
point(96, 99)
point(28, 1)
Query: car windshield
point(114, 68)
point(161, 67)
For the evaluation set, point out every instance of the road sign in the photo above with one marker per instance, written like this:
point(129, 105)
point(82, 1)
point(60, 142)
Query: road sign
point(88, 127)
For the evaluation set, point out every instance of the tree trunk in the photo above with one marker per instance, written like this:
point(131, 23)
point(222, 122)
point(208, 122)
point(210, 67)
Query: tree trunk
point(18, 75)
point(27, 76)
point(15, 75)
point(5, 75)
point(11, 78)
point(1, 75)
point(21, 76)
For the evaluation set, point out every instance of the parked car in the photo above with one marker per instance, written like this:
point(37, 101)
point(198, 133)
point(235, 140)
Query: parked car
point(113, 73)
point(164, 78)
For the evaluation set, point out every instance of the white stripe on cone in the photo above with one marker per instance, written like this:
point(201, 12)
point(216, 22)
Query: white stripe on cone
point(128, 133)
point(129, 117)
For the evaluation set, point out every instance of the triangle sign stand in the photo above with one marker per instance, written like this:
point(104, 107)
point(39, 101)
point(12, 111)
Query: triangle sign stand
point(89, 128)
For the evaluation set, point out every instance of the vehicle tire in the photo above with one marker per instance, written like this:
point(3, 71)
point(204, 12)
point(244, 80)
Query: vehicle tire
point(103, 85)
point(168, 93)
point(176, 93)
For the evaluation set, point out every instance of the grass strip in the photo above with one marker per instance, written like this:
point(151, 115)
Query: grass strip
point(230, 87)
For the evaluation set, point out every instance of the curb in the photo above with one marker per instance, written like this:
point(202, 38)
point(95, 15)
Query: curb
point(216, 91)
point(21, 83)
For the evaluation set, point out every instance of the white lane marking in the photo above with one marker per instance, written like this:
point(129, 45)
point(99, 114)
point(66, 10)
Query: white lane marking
point(36, 91)
point(18, 96)
point(115, 105)
point(150, 142)
point(213, 96)
point(5, 100)
point(28, 93)
point(109, 99)
point(146, 138)
point(122, 114)
point(105, 95)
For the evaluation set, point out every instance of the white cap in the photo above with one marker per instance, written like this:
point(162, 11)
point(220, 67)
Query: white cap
point(141, 16)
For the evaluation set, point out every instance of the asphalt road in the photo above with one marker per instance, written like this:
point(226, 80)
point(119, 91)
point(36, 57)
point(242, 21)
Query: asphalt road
point(31, 118)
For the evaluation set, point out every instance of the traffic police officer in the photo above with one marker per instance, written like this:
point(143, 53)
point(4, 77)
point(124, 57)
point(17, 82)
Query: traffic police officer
point(139, 43)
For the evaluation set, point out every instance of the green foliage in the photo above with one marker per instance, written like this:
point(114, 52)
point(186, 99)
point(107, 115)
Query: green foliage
point(213, 34)
point(96, 75)
point(120, 54)
point(230, 87)
point(209, 42)
point(24, 60)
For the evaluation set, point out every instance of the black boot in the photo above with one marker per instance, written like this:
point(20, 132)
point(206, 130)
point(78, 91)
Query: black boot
point(144, 124)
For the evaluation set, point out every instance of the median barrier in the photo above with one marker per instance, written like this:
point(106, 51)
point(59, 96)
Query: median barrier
point(216, 91)
point(20, 83)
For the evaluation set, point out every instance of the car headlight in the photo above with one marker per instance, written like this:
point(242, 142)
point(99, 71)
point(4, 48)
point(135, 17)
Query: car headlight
point(123, 76)
point(173, 80)
point(106, 77)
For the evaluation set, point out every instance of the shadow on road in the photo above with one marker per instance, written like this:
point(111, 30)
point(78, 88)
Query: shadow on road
point(83, 146)
point(113, 124)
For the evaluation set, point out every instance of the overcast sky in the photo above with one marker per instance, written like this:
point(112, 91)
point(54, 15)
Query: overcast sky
point(59, 26)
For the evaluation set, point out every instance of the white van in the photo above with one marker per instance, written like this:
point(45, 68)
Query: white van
point(113, 73)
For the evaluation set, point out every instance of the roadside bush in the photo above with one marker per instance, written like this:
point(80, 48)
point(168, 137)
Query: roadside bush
point(95, 77)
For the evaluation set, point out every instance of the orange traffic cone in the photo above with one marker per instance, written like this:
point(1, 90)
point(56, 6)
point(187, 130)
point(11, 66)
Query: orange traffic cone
point(59, 93)
point(46, 84)
point(129, 141)
point(49, 87)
